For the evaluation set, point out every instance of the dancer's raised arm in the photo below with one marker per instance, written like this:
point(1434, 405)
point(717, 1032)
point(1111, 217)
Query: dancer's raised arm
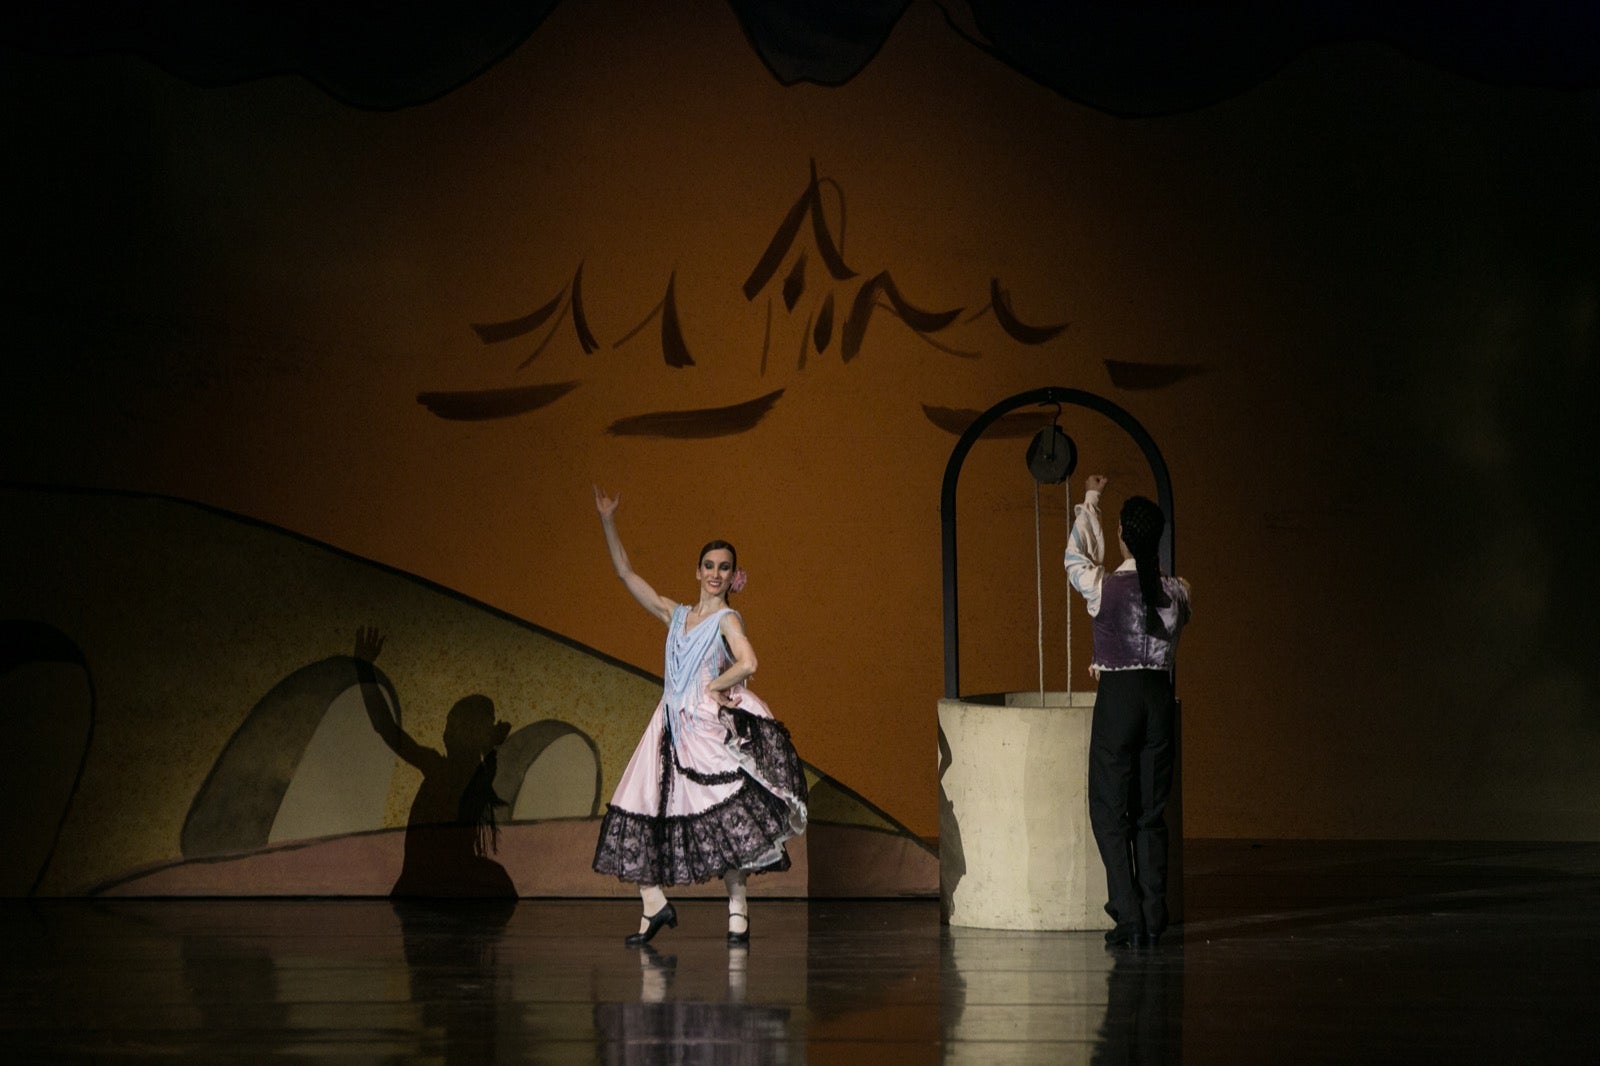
point(1086, 546)
point(369, 642)
point(648, 597)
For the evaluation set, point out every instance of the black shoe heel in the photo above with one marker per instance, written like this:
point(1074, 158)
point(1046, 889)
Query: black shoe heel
point(665, 916)
point(740, 939)
point(1124, 935)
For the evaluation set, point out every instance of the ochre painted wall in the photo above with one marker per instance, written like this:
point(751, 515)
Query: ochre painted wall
point(1383, 275)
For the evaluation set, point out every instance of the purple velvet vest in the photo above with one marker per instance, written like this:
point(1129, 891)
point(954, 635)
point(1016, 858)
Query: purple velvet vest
point(1120, 642)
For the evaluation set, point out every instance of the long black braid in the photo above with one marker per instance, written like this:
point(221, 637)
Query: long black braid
point(1142, 526)
point(478, 802)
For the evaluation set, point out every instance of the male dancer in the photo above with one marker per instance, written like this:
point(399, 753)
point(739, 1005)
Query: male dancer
point(1138, 613)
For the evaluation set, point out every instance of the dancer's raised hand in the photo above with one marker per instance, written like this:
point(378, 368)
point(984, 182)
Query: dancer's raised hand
point(369, 642)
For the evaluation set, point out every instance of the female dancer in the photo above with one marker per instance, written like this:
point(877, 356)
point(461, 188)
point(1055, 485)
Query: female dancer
point(714, 787)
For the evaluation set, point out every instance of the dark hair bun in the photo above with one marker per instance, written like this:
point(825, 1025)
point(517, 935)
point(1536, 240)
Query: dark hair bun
point(1142, 525)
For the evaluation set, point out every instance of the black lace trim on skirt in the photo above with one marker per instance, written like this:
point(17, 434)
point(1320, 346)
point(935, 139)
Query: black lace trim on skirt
point(689, 849)
point(703, 779)
point(767, 752)
point(743, 832)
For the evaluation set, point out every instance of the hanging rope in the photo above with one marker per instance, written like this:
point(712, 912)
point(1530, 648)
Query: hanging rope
point(1038, 581)
point(1051, 458)
point(1067, 487)
point(1038, 585)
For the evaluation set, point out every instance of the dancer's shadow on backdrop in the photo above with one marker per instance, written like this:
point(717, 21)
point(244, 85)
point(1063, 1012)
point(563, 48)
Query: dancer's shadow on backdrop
point(451, 831)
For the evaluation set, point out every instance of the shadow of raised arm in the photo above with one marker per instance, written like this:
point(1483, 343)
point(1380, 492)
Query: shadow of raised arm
point(385, 722)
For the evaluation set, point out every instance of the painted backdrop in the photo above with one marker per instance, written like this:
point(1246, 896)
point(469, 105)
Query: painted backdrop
point(406, 307)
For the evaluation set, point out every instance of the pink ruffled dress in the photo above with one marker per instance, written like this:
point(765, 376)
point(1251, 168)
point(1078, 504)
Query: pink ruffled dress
point(709, 788)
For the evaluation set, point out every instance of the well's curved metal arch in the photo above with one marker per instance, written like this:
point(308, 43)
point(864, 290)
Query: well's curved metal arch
point(952, 473)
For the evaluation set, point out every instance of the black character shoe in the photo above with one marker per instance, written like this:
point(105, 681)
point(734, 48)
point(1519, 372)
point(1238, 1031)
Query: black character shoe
point(1147, 940)
point(736, 939)
point(1126, 934)
point(665, 916)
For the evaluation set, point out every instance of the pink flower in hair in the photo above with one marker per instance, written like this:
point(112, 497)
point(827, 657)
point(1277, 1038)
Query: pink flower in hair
point(739, 578)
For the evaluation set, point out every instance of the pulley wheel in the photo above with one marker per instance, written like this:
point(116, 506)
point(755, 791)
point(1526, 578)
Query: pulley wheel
point(1052, 456)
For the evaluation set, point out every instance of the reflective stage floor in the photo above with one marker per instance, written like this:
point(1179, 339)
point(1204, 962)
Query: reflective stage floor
point(1292, 952)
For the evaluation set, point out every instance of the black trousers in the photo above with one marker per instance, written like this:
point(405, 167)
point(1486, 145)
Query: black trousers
point(1130, 777)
